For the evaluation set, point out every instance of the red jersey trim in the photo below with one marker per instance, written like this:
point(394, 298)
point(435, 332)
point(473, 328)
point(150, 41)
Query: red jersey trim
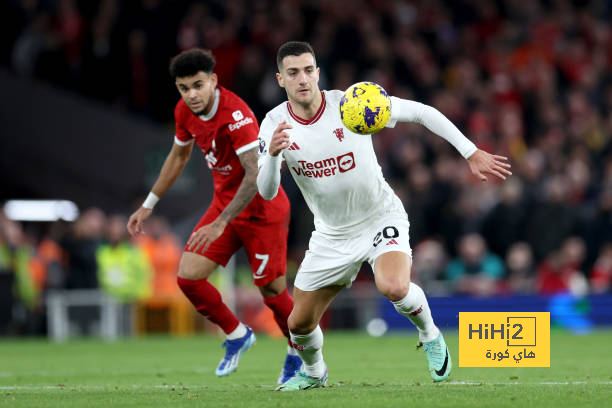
point(316, 116)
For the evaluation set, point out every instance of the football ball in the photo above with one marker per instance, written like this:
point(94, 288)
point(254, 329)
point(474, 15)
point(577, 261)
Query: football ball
point(365, 108)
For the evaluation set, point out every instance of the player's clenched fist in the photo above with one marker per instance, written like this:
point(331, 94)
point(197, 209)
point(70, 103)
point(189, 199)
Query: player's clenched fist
point(280, 139)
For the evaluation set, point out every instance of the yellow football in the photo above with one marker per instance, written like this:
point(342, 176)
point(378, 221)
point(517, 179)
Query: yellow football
point(365, 108)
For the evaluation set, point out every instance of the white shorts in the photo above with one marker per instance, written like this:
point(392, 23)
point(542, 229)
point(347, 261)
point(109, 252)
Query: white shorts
point(336, 261)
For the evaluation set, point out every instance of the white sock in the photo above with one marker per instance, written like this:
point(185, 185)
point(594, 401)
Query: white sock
point(237, 333)
point(309, 347)
point(415, 307)
point(291, 351)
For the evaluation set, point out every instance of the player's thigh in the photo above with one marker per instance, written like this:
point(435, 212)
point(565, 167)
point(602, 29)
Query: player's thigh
point(221, 249)
point(309, 306)
point(266, 249)
point(330, 262)
point(390, 255)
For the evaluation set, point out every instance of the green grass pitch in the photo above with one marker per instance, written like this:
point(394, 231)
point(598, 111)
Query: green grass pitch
point(363, 372)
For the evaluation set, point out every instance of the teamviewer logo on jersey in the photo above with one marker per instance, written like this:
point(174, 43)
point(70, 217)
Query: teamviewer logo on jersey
point(326, 167)
point(346, 162)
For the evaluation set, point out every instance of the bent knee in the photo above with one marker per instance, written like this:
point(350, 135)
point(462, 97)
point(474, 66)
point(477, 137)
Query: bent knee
point(393, 290)
point(195, 267)
point(300, 326)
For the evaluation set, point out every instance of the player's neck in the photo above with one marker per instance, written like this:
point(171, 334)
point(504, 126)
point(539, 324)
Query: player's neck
point(211, 102)
point(307, 111)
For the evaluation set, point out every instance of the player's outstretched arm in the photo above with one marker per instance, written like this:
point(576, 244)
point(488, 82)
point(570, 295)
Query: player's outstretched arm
point(480, 162)
point(244, 195)
point(172, 168)
point(268, 179)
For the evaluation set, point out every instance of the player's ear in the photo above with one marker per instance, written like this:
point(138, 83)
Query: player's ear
point(279, 78)
point(178, 85)
point(214, 79)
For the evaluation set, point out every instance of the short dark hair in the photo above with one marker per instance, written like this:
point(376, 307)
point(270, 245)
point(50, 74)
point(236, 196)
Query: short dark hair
point(189, 63)
point(295, 48)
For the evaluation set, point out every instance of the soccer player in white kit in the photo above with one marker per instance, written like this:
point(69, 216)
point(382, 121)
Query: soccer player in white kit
point(357, 215)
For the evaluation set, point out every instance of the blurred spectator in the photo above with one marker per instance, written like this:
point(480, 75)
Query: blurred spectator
point(29, 280)
point(561, 272)
point(81, 245)
point(7, 278)
point(600, 225)
point(505, 224)
point(464, 217)
point(163, 252)
point(476, 271)
point(53, 256)
point(552, 219)
point(429, 262)
point(166, 309)
point(30, 274)
point(520, 269)
point(601, 275)
point(124, 271)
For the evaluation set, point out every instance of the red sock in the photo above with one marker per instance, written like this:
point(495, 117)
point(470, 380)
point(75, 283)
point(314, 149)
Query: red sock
point(281, 305)
point(207, 300)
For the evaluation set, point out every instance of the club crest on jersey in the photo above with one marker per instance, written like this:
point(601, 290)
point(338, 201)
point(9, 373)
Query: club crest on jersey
point(237, 115)
point(339, 134)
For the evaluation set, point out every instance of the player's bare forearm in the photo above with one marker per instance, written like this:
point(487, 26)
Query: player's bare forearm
point(247, 189)
point(172, 168)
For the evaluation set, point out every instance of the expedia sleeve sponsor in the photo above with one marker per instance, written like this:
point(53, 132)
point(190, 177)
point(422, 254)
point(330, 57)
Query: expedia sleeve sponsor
point(240, 123)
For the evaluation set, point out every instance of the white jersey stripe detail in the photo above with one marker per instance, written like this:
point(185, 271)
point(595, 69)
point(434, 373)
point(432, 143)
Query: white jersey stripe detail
point(215, 106)
point(247, 146)
point(180, 142)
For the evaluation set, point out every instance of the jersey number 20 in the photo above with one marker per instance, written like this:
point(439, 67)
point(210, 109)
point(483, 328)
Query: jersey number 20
point(387, 232)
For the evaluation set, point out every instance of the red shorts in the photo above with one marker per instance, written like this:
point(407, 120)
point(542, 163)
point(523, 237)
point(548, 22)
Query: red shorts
point(265, 245)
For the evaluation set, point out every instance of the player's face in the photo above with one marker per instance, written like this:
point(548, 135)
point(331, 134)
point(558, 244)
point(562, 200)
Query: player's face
point(198, 91)
point(300, 78)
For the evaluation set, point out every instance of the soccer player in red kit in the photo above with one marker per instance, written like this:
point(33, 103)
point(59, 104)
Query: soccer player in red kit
point(226, 130)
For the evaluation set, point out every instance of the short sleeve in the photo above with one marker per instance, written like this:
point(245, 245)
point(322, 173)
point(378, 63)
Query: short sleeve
point(182, 137)
point(265, 135)
point(242, 130)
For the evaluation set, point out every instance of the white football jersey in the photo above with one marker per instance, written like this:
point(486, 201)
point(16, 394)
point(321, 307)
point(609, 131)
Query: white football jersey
point(336, 169)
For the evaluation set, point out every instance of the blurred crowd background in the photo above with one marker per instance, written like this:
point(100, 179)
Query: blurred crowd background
point(531, 80)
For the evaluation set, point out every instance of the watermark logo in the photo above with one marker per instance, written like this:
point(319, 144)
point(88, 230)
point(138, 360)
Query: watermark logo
point(504, 339)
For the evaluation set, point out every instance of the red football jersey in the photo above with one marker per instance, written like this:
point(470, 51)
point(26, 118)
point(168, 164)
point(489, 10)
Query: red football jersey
point(229, 129)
